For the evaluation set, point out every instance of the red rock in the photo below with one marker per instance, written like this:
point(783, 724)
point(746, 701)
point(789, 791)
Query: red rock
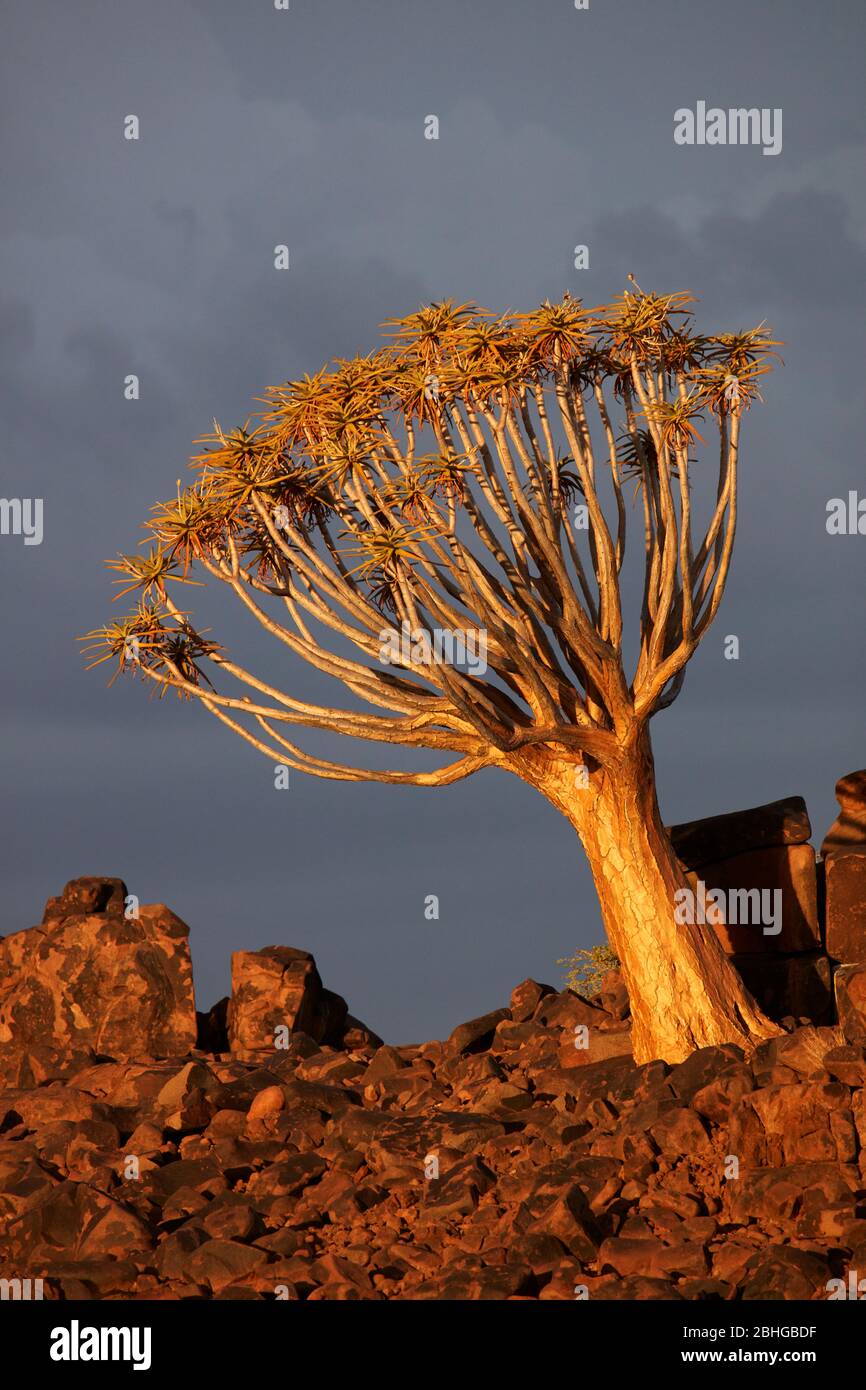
point(174, 1097)
point(686, 1079)
point(230, 1217)
point(24, 1184)
point(797, 1124)
point(332, 1067)
point(847, 1063)
point(679, 1131)
point(614, 995)
point(384, 1063)
point(706, 1289)
point(29, 1067)
point(635, 1286)
point(356, 1036)
point(267, 1102)
point(718, 1097)
point(849, 984)
point(274, 989)
point(848, 831)
point(782, 1272)
point(804, 1051)
point(456, 1192)
point(87, 897)
point(119, 987)
point(776, 1194)
point(312, 1174)
point(541, 1252)
point(488, 1284)
point(80, 1222)
point(202, 1175)
point(566, 1010)
point(570, 1220)
point(525, 999)
point(652, 1258)
point(845, 910)
point(600, 1047)
point(217, 1263)
point(477, 1033)
point(287, 1178)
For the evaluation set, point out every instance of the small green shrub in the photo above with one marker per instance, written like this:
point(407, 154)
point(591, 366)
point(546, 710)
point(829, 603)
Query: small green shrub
point(587, 967)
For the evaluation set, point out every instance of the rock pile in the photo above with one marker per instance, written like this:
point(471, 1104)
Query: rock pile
point(276, 1148)
point(794, 969)
point(526, 1156)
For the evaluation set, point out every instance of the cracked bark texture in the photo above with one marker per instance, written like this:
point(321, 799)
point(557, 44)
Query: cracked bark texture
point(684, 991)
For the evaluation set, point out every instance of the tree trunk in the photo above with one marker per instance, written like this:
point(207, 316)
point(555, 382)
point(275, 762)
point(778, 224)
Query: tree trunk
point(684, 991)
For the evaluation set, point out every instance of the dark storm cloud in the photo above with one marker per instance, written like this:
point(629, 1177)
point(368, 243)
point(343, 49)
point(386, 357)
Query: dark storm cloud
point(156, 258)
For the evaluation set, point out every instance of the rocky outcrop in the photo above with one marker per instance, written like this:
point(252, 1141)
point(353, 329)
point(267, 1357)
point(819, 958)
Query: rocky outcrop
point(789, 963)
point(848, 831)
point(706, 841)
point(277, 992)
point(485, 1166)
point(844, 855)
point(845, 904)
point(91, 978)
point(792, 987)
point(275, 1148)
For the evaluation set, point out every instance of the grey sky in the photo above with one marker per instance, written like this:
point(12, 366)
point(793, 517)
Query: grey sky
point(156, 257)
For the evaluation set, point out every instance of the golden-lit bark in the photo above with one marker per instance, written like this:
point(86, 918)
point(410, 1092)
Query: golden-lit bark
point(684, 991)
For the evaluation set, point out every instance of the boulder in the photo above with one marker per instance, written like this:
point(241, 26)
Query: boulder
point(356, 1035)
point(845, 904)
point(505, 1163)
point(275, 988)
point(849, 984)
point(477, 1034)
point(86, 897)
point(790, 986)
point(706, 841)
point(848, 830)
point(788, 869)
point(525, 999)
point(600, 1047)
point(626, 1256)
point(785, 1273)
point(98, 980)
point(81, 1223)
point(614, 995)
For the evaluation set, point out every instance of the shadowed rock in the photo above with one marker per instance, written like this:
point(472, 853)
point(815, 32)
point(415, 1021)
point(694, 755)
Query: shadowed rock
point(700, 842)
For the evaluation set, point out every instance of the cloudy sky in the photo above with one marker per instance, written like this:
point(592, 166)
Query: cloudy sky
point(155, 256)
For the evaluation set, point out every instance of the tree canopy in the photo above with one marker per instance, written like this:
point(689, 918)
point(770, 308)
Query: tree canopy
point(476, 471)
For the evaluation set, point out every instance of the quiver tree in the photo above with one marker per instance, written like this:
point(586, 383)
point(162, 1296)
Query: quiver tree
point(475, 475)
